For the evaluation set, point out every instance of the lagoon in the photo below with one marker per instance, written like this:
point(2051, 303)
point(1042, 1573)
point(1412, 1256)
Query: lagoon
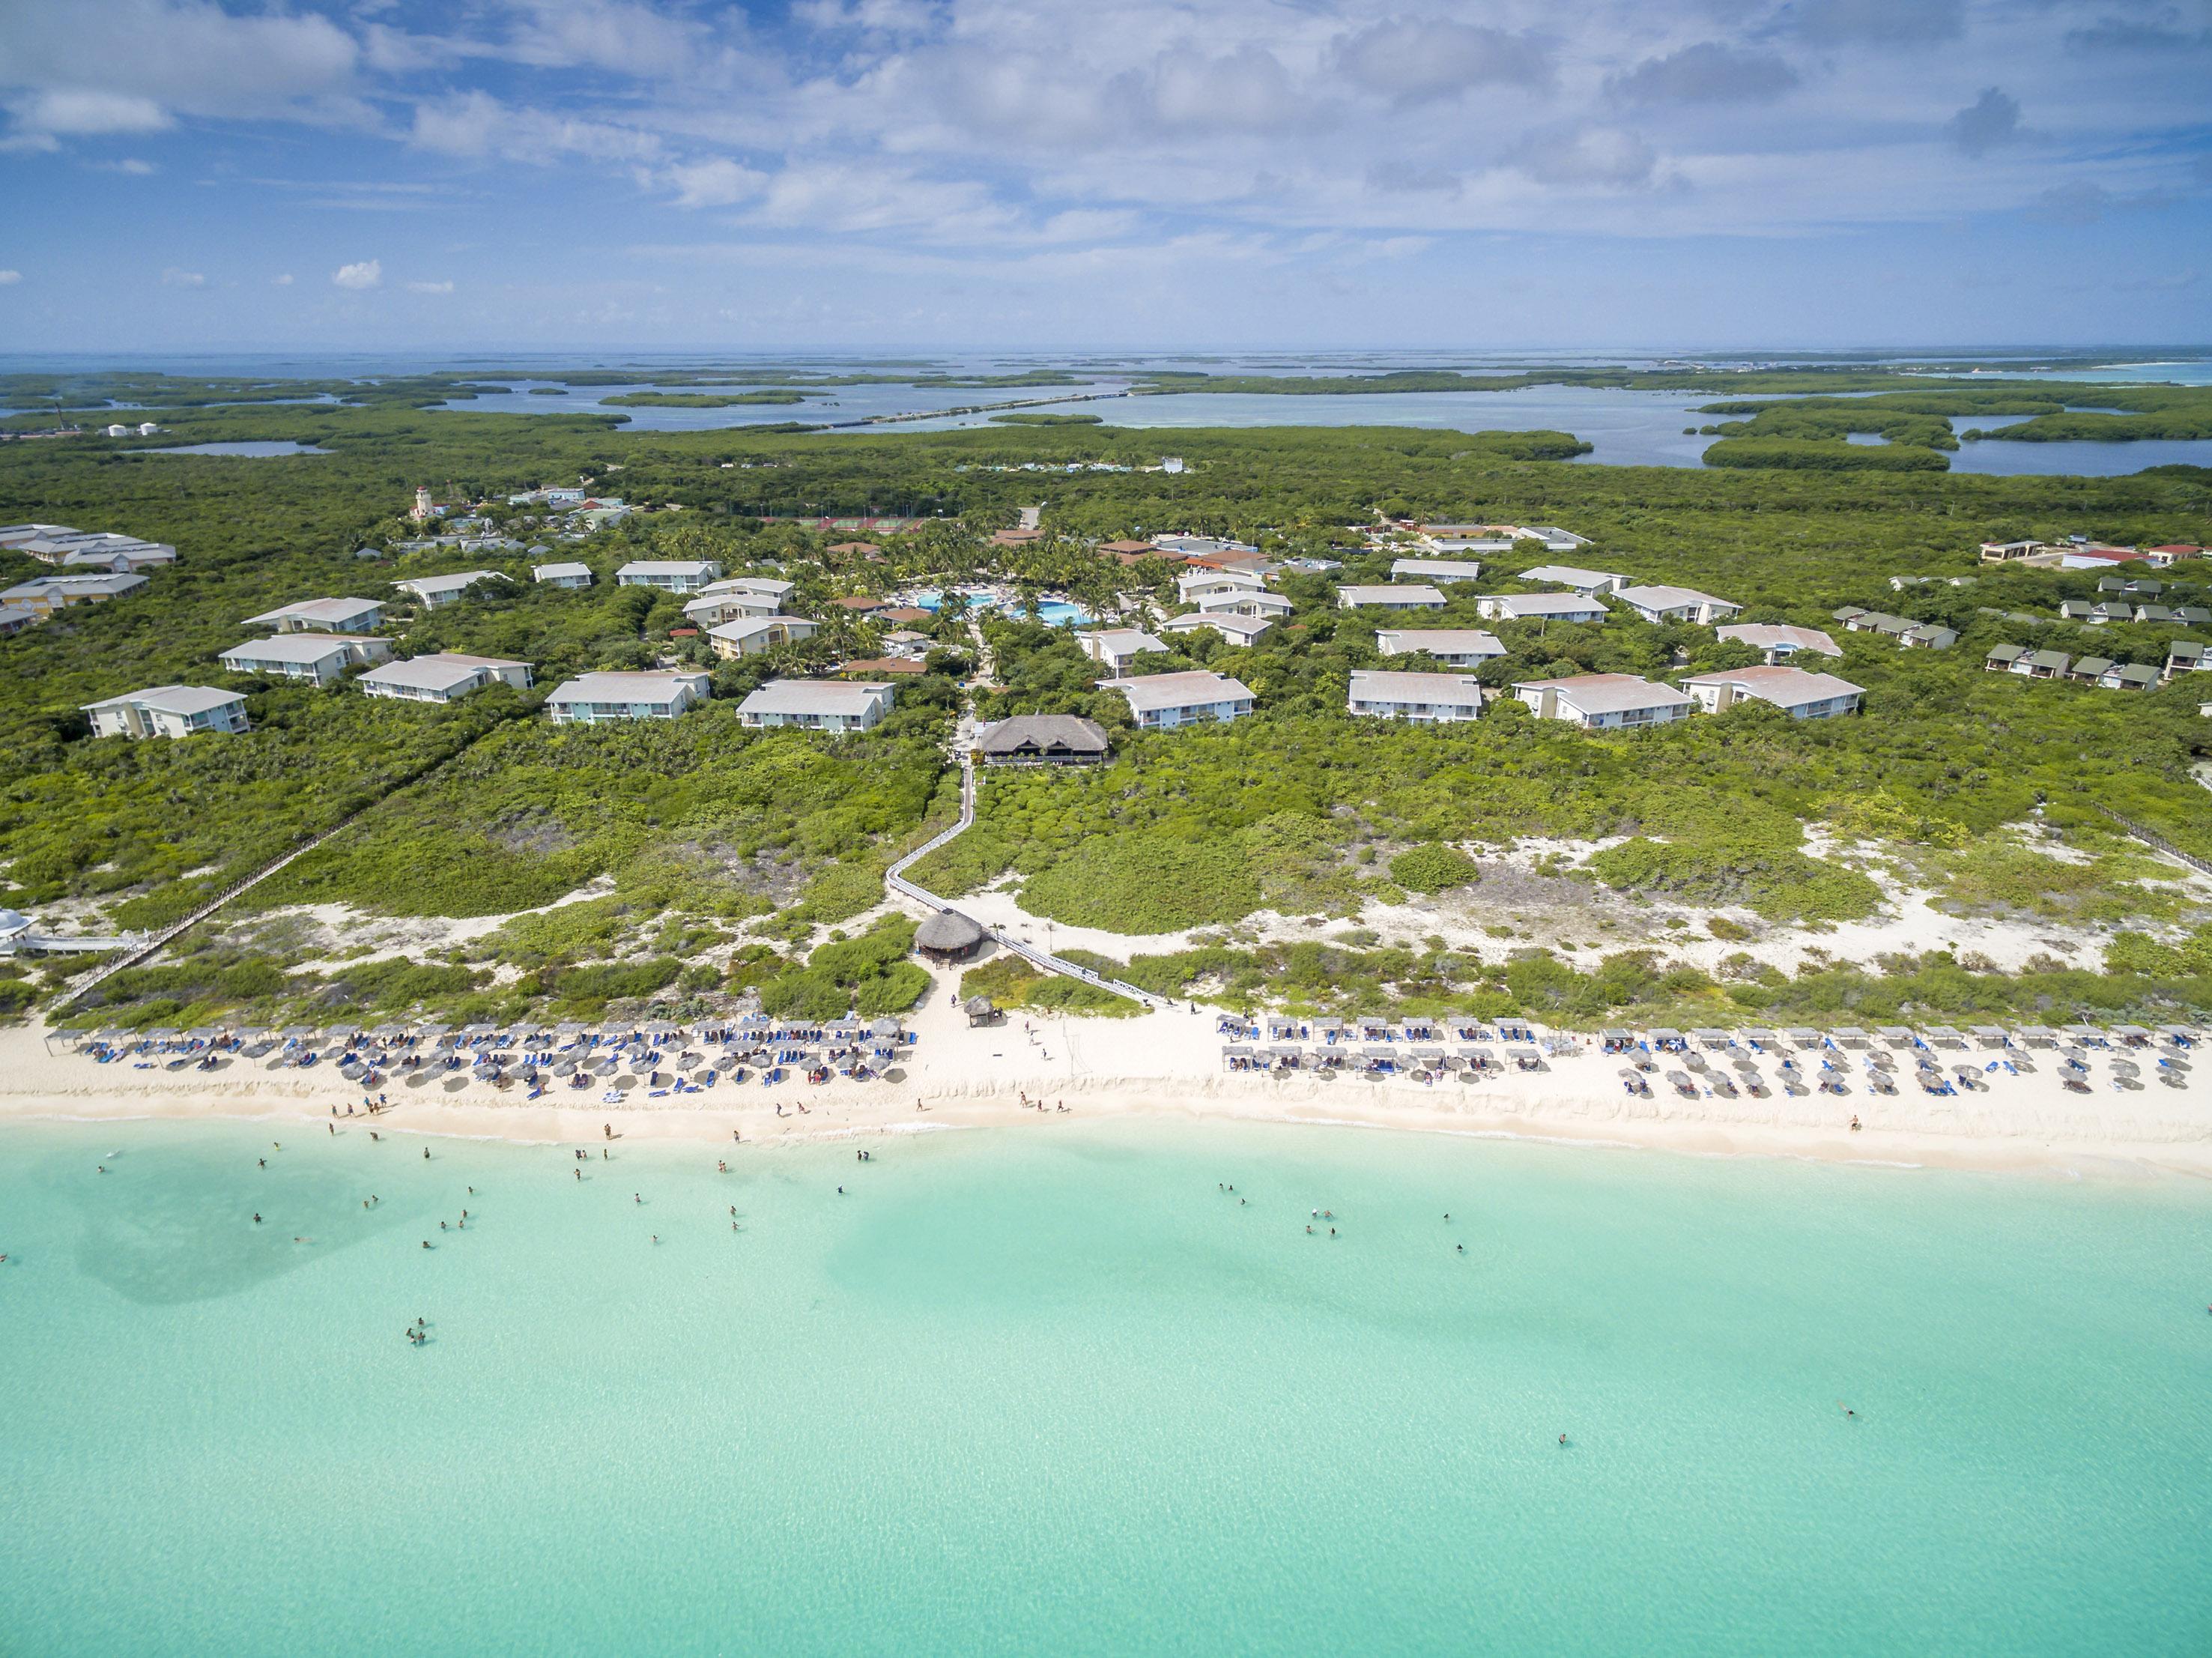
point(1057, 1391)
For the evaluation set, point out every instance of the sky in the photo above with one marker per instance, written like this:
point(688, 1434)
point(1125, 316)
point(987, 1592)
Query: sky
point(1054, 175)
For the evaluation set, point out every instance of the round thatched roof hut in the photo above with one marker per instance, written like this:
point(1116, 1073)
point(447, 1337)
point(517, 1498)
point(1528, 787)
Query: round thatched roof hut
point(948, 936)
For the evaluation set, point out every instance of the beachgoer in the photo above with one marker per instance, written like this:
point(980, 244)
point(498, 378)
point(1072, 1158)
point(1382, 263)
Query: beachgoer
point(257, 1220)
point(1563, 1439)
point(426, 1153)
point(261, 1163)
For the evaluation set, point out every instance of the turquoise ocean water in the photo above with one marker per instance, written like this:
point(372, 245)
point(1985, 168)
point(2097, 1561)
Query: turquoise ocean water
point(1055, 1391)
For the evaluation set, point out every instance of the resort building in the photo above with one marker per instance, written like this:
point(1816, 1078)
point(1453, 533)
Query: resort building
point(1430, 696)
point(669, 575)
point(817, 705)
point(1234, 629)
point(1666, 604)
point(1459, 647)
point(1199, 546)
point(1162, 701)
point(442, 678)
point(1043, 739)
point(1268, 605)
point(1588, 582)
point(1396, 596)
point(1604, 702)
point(317, 658)
point(48, 593)
point(766, 587)
point(1908, 633)
point(2029, 664)
point(1200, 583)
point(1117, 647)
point(437, 591)
point(2182, 657)
point(1801, 695)
point(169, 711)
point(323, 616)
point(2128, 676)
point(1438, 572)
point(568, 574)
point(1539, 607)
point(711, 610)
point(751, 634)
point(14, 619)
point(610, 698)
point(89, 551)
point(1780, 643)
point(2005, 553)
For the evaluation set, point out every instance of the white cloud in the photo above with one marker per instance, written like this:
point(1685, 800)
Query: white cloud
point(9, 278)
point(172, 278)
point(282, 280)
point(429, 287)
point(130, 166)
point(1413, 59)
point(478, 124)
point(367, 274)
point(721, 183)
point(74, 112)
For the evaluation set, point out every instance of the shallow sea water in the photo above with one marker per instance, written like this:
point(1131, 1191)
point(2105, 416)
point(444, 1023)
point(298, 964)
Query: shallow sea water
point(1055, 1390)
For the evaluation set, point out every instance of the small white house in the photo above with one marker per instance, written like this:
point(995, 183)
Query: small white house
point(1234, 629)
point(1539, 607)
point(669, 575)
point(569, 573)
point(1162, 701)
point(169, 711)
point(317, 658)
point(767, 586)
point(1584, 581)
point(1801, 695)
point(1669, 604)
point(1403, 595)
point(611, 699)
point(1458, 647)
point(322, 616)
point(442, 678)
point(1117, 647)
point(832, 706)
point(1434, 697)
point(751, 634)
point(1604, 702)
point(436, 591)
point(2183, 657)
point(1438, 572)
point(1778, 642)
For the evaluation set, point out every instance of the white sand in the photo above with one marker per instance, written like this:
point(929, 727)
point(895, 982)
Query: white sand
point(1168, 1065)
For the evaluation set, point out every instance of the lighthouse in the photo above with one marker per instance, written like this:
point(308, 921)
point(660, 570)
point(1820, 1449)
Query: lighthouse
point(424, 511)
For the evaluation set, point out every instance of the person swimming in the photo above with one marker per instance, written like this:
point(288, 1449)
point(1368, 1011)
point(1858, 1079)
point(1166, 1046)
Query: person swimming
point(257, 1220)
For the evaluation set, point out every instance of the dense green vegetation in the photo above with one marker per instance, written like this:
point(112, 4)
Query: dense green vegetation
point(712, 858)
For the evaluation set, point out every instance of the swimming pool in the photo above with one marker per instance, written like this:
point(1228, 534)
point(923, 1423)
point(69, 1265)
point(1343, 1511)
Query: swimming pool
point(1053, 612)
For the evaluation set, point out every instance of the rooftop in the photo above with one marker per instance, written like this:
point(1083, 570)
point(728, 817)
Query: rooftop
point(1153, 691)
point(844, 696)
point(1786, 687)
point(181, 699)
point(299, 647)
point(437, 672)
point(654, 684)
point(1382, 686)
point(1044, 731)
point(1609, 693)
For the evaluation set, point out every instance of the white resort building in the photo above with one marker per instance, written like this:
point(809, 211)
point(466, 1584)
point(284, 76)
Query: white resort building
point(322, 616)
point(1437, 571)
point(1117, 647)
point(1804, 696)
point(1458, 647)
point(609, 698)
point(1160, 702)
point(1539, 607)
point(1584, 581)
point(1780, 643)
point(569, 573)
point(833, 705)
point(317, 658)
point(442, 678)
point(1406, 596)
point(1604, 702)
point(1430, 696)
point(1666, 604)
point(669, 575)
point(169, 711)
point(435, 591)
point(1233, 626)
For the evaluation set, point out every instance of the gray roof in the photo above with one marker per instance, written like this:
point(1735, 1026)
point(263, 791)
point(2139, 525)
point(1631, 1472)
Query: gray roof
point(1223, 622)
point(666, 566)
point(1786, 687)
point(658, 685)
point(849, 698)
point(1443, 641)
point(298, 648)
point(1765, 636)
point(1376, 685)
point(1044, 731)
point(174, 699)
point(332, 611)
point(1155, 692)
point(1455, 569)
point(423, 585)
point(545, 572)
point(1544, 604)
point(1669, 598)
point(439, 673)
point(948, 930)
point(1609, 693)
point(1397, 593)
point(1123, 641)
point(1571, 576)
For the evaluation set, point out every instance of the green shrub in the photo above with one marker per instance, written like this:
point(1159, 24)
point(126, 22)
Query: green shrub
point(1432, 869)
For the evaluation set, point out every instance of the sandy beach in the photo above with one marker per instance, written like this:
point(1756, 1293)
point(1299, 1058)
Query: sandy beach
point(1168, 1065)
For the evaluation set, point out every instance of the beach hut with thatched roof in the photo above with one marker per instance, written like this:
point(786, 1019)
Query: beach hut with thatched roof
point(948, 936)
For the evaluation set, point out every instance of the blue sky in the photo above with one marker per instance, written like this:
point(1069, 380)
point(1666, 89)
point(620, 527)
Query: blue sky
point(1064, 173)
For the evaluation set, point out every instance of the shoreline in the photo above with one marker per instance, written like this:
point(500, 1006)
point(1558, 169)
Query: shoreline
point(1166, 1068)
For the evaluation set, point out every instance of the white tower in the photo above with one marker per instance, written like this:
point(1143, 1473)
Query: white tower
point(423, 509)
